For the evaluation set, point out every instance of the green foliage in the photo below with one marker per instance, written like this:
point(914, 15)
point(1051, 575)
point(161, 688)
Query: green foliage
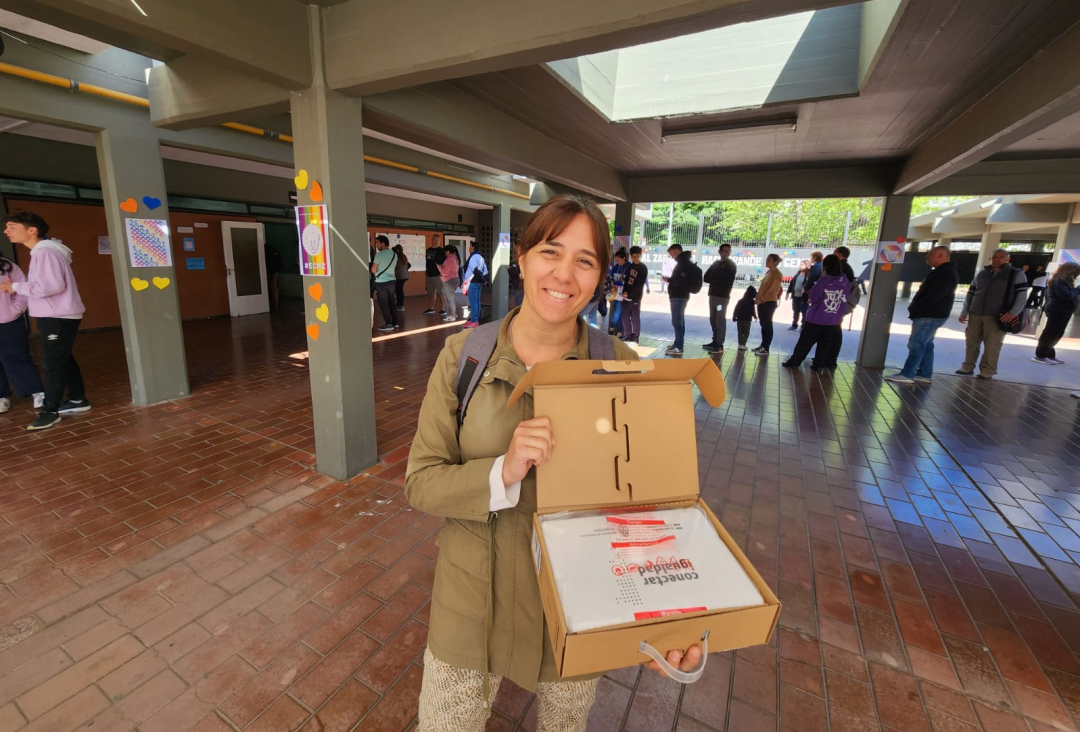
point(926, 204)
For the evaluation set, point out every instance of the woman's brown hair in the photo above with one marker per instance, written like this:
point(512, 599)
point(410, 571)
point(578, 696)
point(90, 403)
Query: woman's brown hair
point(553, 217)
point(1067, 272)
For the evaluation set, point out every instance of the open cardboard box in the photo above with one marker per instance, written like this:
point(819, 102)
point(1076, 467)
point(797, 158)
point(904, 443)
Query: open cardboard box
point(626, 437)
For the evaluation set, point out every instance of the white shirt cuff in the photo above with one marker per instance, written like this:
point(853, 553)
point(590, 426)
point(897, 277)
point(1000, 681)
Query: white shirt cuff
point(502, 497)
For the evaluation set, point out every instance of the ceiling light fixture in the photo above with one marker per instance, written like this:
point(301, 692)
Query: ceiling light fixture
point(139, 9)
point(696, 134)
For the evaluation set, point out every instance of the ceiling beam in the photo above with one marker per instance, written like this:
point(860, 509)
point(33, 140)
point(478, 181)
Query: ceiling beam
point(1013, 176)
point(734, 185)
point(435, 42)
point(194, 92)
point(1043, 91)
point(264, 38)
point(1049, 214)
point(443, 117)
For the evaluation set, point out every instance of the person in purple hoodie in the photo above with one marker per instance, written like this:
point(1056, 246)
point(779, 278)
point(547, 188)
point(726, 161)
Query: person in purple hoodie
point(16, 363)
point(824, 314)
point(53, 299)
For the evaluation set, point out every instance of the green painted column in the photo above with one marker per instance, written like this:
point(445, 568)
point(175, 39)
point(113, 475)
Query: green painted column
point(328, 146)
point(500, 280)
point(129, 162)
point(874, 339)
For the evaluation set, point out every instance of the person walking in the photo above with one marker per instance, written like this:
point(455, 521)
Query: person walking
point(1038, 287)
point(450, 274)
point(996, 298)
point(476, 276)
point(928, 310)
point(795, 293)
point(768, 297)
point(745, 313)
point(1061, 300)
point(401, 276)
point(678, 287)
point(637, 279)
point(16, 363)
point(824, 313)
point(476, 469)
point(53, 299)
point(383, 267)
point(434, 256)
point(721, 278)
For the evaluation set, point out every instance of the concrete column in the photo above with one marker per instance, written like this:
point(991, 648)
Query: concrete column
point(990, 242)
point(328, 144)
point(912, 251)
point(500, 260)
point(874, 340)
point(1068, 236)
point(624, 221)
point(129, 163)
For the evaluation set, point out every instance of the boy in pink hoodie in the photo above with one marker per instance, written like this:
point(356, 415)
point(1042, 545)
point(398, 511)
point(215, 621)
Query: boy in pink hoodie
point(53, 299)
point(16, 363)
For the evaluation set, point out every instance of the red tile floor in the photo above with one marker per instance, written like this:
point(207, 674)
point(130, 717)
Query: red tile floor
point(184, 567)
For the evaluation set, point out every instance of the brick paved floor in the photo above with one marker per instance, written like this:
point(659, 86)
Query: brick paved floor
point(184, 567)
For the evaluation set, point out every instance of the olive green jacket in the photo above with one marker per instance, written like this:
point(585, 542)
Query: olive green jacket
point(448, 477)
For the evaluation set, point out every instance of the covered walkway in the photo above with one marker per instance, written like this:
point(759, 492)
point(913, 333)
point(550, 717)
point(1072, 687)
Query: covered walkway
point(183, 567)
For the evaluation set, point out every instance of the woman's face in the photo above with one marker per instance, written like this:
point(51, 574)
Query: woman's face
point(561, 274)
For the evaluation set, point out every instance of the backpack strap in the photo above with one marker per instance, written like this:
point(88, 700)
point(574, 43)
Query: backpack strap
point(480, 344)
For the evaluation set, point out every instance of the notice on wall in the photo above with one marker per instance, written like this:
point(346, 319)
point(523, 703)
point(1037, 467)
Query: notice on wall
point(196, 263)
point(184, 230)
point(148, 242)
point(104, 245)
point(202, 226)
point(889, 252)
point(414, 246)
point(504, 240)
point(189, 244)
point(621, 242)
point(314, 229)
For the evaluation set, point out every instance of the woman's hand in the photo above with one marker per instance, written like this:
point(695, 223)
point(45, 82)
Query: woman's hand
point(531, 445)
point(683, 661)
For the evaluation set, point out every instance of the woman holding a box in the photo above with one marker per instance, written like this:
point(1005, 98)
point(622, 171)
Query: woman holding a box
point(487, 621)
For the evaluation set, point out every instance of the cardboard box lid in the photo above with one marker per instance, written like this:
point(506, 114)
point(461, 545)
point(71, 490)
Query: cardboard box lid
point(624, 430)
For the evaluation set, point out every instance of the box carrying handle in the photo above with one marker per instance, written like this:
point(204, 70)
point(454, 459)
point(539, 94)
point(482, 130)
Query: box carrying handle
point(683, 677)
point(624, 367)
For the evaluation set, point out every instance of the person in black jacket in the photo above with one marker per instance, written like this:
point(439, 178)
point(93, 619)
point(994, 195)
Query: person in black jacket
point(720, 277)
point(745, 313)
point(679, 295)
point(636, 279)
point(1061, 300)
point(928, 310)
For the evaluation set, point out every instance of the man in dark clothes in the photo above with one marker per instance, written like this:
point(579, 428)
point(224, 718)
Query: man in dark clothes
point(679, 295)
point(929, 310)
point(721, 278)
point(636, 278)
point(433, 257)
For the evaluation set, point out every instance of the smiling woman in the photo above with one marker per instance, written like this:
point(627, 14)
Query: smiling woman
point(477, 473)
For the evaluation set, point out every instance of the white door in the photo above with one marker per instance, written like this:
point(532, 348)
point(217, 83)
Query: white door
point(245, 267)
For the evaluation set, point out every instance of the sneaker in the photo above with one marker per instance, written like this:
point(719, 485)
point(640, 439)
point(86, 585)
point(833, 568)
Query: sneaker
point(794, 327)
point(442, 312)
point(713, 349)
point(39, 400)
point(923, 380)
point(899, 379)
point(790, 364)
point(401, 308)
point(471, 324)
point(385, 328)
point(5, 405)
point(742, 346)
point(72, 406)
point(964, 373)
point(399, 327)
point(707, 346)
point(984, 377)
point(44, 421)
point(1055, 361)
point(429, 311)
point(1046, 361)
point(761, 351)
point(674, 351)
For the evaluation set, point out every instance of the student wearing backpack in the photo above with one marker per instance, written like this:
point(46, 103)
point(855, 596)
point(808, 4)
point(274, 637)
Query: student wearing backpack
point(828, 350)
point(473, 461)
point(383, 268)
point(772, 286)
point(476, 276)
point(685, 280)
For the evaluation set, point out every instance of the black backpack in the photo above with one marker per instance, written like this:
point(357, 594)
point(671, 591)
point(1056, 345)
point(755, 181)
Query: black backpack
point(694, 278)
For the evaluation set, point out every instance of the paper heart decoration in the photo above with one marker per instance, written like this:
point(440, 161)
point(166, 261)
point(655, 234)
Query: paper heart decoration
point(315, 291)
point(301, 179)
point(322, 313)
point(130, 205)
point(139, 285)
point(151, 202)
point(313, 331)
point(316, 192)
point(161, 282)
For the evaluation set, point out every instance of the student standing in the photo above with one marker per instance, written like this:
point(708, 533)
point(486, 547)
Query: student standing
point(16, 363)
point(433, 257)
point(768, 298)
point(721, 278)
point(679, 287)
point(824, 313)
point(476, 272)
point(382, 267)
point(450, 274)
point(53, 299)
point(637, 278)
point(744, 315)
point(795, 293)
point(1061, 302)
point(929, 310)
point(401, 276)
point(618, 271)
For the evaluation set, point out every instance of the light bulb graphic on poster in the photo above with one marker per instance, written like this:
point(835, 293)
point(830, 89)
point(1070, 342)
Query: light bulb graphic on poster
point(314, 229)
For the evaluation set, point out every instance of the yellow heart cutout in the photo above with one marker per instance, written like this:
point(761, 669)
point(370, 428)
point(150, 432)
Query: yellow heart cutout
point(139, 285)
point(315, 291)
point(301, 179)
point(322, 313)
point(161, 282)
point(313, 331)
point(130, 205)
point(316, 192)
